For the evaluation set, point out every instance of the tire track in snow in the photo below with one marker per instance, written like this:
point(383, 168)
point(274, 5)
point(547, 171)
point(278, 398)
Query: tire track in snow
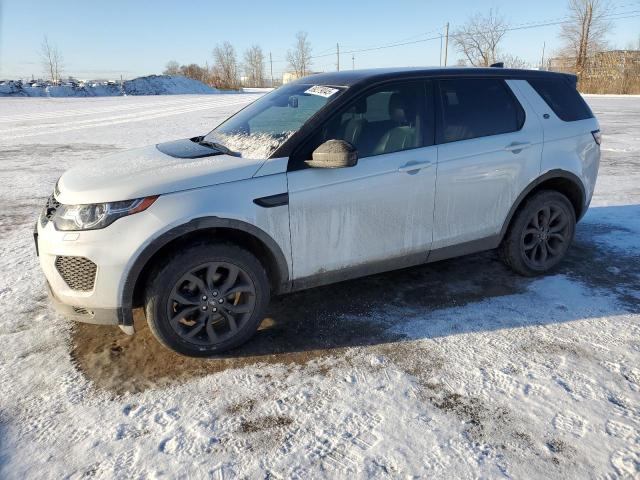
point(154, 114)
point(90, 111)
point(163, 109)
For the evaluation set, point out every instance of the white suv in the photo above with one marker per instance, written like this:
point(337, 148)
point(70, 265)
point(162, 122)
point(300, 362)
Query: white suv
point(331, 177)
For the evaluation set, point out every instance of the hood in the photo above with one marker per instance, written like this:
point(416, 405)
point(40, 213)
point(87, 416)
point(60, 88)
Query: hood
point(154, 170)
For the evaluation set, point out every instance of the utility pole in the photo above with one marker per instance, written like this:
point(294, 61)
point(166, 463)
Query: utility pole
point(338, 56)
point(446, 43)
point(544, 44)
point(271, 63)
point(353, 62)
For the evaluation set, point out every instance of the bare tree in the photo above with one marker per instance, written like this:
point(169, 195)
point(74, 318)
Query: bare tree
point(299, 57)
point(172, 68)
point(225, 66)
point(585, 31)
point(513, 61)
point(195, 71)
point(51, 61)
point(254, 66)
point(479, 37)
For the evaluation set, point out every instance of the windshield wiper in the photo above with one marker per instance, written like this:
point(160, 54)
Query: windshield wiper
point(218, 146)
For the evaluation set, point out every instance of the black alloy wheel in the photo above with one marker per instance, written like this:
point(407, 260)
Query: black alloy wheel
point(546, 236)
point(539, 234)
point(206, 298)
point(209, 303)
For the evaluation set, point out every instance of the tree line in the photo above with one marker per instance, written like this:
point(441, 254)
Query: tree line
point(227, 70)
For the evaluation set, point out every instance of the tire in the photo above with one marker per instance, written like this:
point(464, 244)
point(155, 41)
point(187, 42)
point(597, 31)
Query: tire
point(206, 299)
point(540, 234)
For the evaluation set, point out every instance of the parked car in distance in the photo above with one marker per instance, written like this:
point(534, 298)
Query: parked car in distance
point(328, 178)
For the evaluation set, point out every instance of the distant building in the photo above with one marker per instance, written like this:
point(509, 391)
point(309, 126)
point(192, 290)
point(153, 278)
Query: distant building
point(288, 77)
point(291, 76)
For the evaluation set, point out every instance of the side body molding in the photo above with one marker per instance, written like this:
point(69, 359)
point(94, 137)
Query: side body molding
point(125, 316)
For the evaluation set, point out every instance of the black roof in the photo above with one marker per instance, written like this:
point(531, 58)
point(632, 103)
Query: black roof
point(347, 78)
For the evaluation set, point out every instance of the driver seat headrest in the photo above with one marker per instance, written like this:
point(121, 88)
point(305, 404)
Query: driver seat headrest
point(360, 106)
point(398, 102)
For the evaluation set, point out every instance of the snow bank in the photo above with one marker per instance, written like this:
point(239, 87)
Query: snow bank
point(149, 85)
point(165, 85)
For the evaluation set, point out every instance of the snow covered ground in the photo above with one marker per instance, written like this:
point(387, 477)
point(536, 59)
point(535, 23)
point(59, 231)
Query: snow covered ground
point(458, 369)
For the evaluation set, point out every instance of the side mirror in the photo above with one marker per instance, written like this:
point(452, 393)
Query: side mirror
point(334, 154)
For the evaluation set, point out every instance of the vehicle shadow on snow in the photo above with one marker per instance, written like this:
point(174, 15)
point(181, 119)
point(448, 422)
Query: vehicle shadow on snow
point(323, 321)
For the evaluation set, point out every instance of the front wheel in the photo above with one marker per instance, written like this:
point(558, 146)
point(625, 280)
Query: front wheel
point(540, 234)
point(206, 299)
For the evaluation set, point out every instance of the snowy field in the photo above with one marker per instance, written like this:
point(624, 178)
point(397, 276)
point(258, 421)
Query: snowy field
point(461, 370)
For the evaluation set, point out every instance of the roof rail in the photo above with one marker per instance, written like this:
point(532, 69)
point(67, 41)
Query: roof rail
point(497, 65)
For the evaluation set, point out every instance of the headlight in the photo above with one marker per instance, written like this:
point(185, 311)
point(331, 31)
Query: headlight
point(97, 215)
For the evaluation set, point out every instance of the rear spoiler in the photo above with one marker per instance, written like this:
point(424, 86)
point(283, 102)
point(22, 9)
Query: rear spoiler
point(572, 79)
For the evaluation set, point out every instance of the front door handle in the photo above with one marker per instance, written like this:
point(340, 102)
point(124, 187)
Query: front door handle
point(517, 147)
point(414, 167)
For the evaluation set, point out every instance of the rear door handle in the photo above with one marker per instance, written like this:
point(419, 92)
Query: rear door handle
point(414, 167)
point(516, 147)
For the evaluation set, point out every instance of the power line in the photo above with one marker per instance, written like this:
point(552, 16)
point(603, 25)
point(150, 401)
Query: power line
point(412, 37)
point(525, 26)
point(516, 27)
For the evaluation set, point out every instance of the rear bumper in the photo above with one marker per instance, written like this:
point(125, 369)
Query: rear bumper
point(98, 316)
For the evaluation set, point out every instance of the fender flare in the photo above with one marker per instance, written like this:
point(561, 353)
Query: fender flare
point(125, 316)
point(550, 175)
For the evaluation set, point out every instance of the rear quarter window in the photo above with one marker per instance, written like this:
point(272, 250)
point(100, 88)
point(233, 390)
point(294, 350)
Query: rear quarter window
point(562, 98)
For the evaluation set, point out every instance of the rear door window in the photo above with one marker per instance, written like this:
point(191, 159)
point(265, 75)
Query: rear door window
point(562, 98)
point(474, 107)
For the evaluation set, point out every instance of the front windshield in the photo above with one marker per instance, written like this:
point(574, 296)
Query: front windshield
point(258, 130)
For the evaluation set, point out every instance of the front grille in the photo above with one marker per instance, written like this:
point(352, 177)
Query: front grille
point(78, 272)
point(49, 209)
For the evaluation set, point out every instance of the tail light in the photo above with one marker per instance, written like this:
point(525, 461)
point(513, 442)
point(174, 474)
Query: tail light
point(597, 136)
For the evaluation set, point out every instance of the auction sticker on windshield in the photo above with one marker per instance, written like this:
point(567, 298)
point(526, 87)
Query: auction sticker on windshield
point(321, 91)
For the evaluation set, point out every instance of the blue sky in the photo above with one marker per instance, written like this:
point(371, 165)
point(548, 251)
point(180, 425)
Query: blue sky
point(113, 37)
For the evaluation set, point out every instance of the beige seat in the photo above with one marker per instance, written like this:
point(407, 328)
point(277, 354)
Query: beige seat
point(354, 127)
point(399, 138)
point(402, 131)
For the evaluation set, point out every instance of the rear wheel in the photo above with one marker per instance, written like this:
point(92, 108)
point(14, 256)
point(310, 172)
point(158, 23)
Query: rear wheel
point(207, 299)
point(540, 234)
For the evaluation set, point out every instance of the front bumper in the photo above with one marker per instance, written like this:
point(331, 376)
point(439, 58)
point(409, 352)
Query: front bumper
point(110, 251)
point(98, 316)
